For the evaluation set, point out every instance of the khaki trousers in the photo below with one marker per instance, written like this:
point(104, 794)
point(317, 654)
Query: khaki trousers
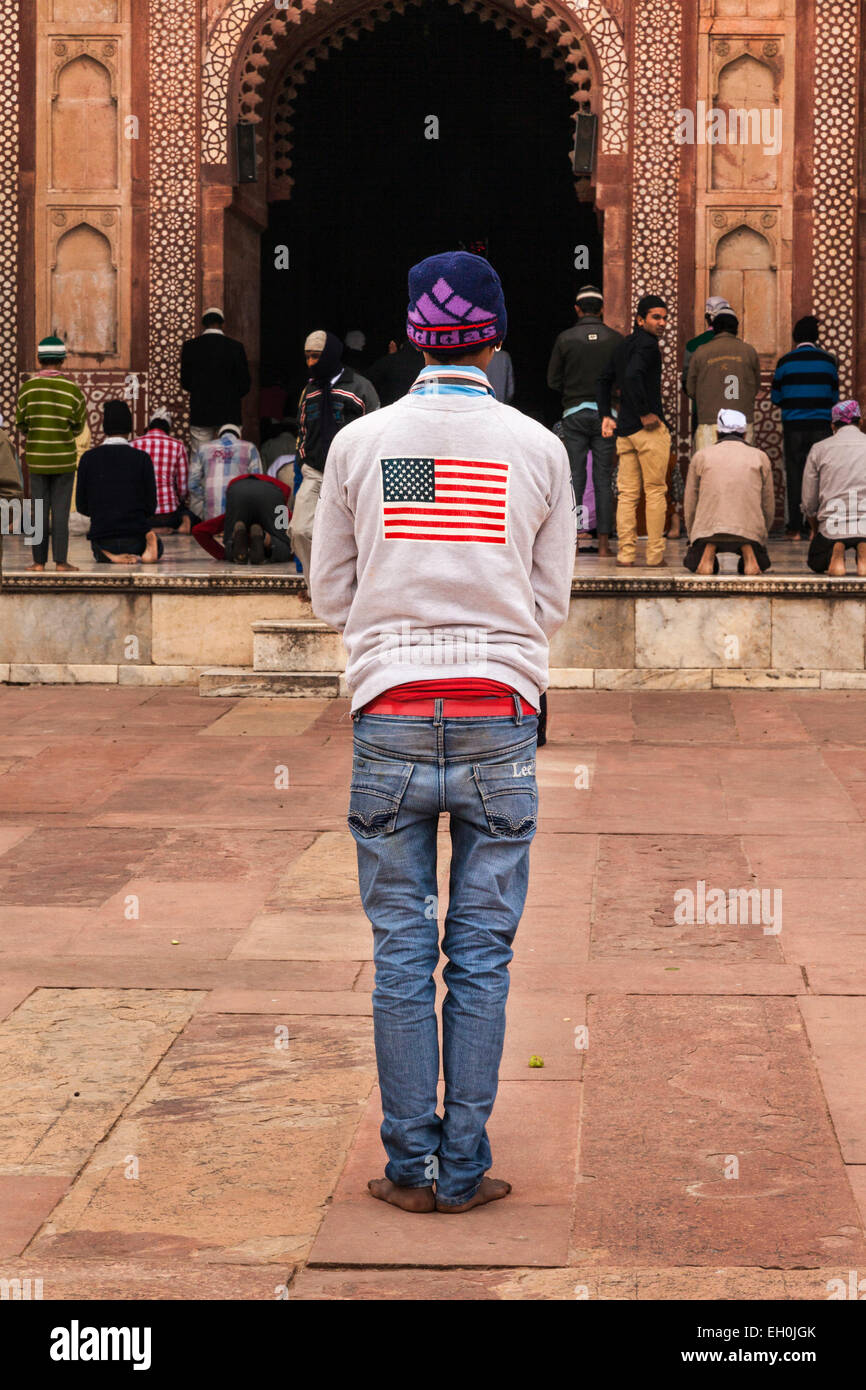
point(303, 515)
point(643, 460)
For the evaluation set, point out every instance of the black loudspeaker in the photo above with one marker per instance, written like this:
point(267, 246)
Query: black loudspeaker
point(585, 137)
point(245, 145)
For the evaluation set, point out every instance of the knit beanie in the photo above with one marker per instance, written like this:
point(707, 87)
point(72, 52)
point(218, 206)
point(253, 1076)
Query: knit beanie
point(315, 342)
point(649, 301)
point(116, 418)
point(51, 349)
point(455, 303)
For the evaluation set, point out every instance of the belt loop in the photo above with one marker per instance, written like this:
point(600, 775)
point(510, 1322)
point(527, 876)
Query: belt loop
point(437, 708)
point(518, 711)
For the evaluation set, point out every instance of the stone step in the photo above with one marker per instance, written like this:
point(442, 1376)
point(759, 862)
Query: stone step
point(297, 644)
point(233, 681)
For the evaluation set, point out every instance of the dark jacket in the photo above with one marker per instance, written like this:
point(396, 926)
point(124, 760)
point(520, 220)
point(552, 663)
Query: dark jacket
point(352, 396)
point(636, 368)
point(116, 488)
point(213, 368)
point(393, 374)
point(579, 357)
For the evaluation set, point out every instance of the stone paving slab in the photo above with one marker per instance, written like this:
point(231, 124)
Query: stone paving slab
point(533, 1135)
point(305, 934)
point(26, 1201)
point(228, 1111)
point(716, 1086)
point(837, 1033)
point(571, 1284)
point(70, 1062)
point(147, 1278)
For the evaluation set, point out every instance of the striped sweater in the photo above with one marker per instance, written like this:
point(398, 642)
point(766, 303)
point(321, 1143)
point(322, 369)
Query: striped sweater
point(51, 412)
point(806, 385)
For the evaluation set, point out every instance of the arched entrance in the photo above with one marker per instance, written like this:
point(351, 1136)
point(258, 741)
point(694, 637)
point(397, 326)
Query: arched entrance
point(431, 130)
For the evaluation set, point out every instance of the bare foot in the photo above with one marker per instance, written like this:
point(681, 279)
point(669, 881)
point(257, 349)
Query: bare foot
point(185, 527)
point(750, 563)
point(121, 559)
point(406, 1198)
point(837, 563)
point(65, 566)
point(151, 549)
point(861, 560)
point(491, 1190)
point(626, 564)
point(674, 530)
point(36, 567)
point(708, 561)
point(604, 550)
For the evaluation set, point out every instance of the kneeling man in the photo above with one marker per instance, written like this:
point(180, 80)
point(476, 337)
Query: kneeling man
point(117, 490)
point(834, 494)
point(729, 502)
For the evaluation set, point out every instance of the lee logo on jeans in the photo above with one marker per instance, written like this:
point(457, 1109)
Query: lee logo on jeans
point(525, 770)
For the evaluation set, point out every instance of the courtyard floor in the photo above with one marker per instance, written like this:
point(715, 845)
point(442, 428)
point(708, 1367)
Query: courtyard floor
point(186, 1061)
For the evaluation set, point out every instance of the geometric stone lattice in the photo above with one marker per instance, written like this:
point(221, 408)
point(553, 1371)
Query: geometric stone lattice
point(173, 194)
point(835, 178)
point(9, 20)
point(656, 170)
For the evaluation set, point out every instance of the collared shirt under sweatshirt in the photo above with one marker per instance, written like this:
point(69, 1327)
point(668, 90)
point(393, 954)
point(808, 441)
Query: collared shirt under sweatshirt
point(443, 544)
point(636, 368)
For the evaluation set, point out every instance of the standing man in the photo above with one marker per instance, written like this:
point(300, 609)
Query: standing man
point(806, 387)
point(214, 370)
point(643, 441)
point(392, 375)
point(333, 397)
point(445, 537)
point(501, 376)
point(724, 374)
point(213, 467)
point(580, 355)
point(834, 494)
point(171, 471)
point(51, 413)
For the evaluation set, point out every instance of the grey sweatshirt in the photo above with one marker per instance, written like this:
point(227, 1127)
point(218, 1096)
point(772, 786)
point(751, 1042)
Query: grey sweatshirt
point(834, 484)
point(443, 544)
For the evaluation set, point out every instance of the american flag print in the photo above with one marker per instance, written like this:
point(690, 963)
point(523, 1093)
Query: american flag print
point(441, 499)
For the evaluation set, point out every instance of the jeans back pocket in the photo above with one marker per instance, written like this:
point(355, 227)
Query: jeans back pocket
point(378, 787)
point(509, 795)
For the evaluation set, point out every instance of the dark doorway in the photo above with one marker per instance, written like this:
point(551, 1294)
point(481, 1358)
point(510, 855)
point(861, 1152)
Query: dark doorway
point(372, 195)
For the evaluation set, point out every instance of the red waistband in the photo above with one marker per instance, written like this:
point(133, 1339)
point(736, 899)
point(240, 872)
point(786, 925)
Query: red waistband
point(451, 708)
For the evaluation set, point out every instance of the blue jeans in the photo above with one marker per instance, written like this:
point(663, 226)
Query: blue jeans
point(582, 432)
point(406, 770)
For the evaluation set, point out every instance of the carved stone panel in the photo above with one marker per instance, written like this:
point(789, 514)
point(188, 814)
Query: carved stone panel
point(83, 279)
point(84, 134)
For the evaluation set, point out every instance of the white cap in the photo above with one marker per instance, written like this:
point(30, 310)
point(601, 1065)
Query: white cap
point(355, 340)
point(213, 311)
point(716, 304)
point(231, 429)
point(161, 414)
point(732, 422)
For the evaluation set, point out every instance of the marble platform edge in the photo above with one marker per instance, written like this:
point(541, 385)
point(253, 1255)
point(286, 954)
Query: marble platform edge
point(621, 586)
point(232, 682)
